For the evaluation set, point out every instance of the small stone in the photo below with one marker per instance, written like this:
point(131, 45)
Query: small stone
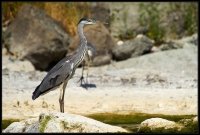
point(159, 125)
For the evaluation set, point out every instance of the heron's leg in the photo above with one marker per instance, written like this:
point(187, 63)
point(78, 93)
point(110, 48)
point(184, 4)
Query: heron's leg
point(60, 98)
point(82, 78)
point(62, 94)
point(88, 66)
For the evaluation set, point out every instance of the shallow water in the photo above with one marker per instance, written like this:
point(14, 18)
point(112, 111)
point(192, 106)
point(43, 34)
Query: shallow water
point(133, 128)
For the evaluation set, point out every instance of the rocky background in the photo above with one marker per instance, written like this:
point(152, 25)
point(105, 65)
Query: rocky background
point(145, 62)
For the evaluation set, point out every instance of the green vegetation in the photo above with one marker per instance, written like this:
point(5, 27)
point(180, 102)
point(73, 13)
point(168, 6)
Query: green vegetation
point(187, 13)
point(150, 17)
point(72, 127)
point(190, 126)
point(43, 123)
point(126, 33)
point(173, 19)
point(134, 118)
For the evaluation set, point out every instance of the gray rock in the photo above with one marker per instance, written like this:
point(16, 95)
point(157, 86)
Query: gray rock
point(159, 125)
point(190, 40)
point(29, 125)
point(61, 122)
point(99, 36)
point(181, 43)
point(170, 45)
point(101, 60)
point(35, 36)
point(132, 48)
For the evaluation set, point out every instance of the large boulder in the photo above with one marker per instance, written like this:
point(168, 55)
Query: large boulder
point(61, 122)
point(132, 48)
point(35, 36)
point(100, 38)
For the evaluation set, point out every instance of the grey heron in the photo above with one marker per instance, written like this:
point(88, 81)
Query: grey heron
point(64, 70)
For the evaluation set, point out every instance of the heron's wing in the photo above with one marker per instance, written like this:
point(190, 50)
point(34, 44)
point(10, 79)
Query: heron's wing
point(59, 65)
point(54, 77)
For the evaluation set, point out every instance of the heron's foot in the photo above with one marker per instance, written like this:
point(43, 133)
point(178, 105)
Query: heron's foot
point(85, 84)
point(81, 80)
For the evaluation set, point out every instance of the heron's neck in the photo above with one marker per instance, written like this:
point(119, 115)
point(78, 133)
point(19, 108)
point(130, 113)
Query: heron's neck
point(81, 35)
point(82, 46)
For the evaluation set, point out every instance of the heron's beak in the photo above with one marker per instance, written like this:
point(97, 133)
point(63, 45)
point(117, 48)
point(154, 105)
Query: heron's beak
point(91, 23)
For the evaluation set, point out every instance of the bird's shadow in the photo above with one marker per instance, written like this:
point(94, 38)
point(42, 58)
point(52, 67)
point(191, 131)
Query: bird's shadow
point(86, 85)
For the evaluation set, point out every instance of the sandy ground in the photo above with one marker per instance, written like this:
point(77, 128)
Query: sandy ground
point(158, 83)
point(110, 95)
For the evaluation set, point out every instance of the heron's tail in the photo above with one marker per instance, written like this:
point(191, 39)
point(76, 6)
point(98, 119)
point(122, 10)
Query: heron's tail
point(36, 93)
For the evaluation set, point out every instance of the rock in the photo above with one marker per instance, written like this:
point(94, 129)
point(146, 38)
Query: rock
point(36, 37)
point(132, 48)
point(120, 42)
point(61, 122)
point(170, 45)
point(191, 40)
point(99, 36)
point(176, 44)
point(195, 119)
point(187, 122)
point(155, 49)
point(159, 125)
point(29, 125)
point(190, 125)
point(101, 60)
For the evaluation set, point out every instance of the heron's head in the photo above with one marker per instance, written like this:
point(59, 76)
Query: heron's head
point(87, 21)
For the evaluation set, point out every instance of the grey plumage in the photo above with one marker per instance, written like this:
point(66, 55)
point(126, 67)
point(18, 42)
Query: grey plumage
point(63, 71)
point(54, 78)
